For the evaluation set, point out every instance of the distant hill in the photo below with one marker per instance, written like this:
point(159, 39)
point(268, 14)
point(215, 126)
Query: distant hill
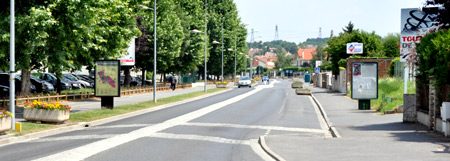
point(314, 41)
point(278, 44)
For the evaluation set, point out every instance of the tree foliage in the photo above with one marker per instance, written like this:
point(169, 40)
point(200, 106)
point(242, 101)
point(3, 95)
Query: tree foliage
point(64, 35)
point(337, 46)
point(434, 57)
point(443, 13)
point(391, 45)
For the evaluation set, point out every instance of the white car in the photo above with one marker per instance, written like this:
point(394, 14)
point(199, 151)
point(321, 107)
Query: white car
point(244, 81)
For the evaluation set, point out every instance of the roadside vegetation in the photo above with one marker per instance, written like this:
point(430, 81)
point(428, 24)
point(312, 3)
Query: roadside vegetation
point(392, 88)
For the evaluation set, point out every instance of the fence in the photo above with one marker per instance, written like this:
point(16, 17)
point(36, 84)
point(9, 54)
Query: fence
point(86, 95)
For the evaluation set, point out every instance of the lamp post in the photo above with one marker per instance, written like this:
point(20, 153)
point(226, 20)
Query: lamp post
point(12, 105)
point(197, 31)
point(223, 20)
point(154, 48)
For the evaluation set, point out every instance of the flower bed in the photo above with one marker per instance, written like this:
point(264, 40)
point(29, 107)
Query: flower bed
point(303, 91)
point(46, 112)
point(297, 84)
point(222, 84)
point(5, 120)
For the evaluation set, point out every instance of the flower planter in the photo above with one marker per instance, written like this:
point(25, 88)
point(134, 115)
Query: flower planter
point(303, 92)
point(5, 124)
point(222, 85)
point(297, 85)
point(56, 116)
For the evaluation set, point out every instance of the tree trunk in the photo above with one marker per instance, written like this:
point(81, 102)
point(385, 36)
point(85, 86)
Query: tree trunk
point(127, 79)
point(26, 83)
point(143, 77)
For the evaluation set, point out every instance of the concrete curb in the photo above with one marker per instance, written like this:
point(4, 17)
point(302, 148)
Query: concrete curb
point(84, 125)
point(332, 129)
point(262, 142)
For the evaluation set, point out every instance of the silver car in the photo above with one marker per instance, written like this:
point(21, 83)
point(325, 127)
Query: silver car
point(244, 81)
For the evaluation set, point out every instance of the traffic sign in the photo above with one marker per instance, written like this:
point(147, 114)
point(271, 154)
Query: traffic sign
point(316, 70)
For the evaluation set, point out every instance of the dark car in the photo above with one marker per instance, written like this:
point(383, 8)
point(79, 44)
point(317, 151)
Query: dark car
point(4, 81)
point(41, 86)
point(133, 82)
point(51, 78)
point(4, 91)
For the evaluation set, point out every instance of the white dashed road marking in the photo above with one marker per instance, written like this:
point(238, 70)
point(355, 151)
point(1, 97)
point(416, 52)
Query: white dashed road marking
point(200, 138)
point(83, 152)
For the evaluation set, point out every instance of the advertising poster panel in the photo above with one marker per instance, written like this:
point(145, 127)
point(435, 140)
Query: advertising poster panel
point(414, 25)
point(354, 48)
point(129, 58)
point(364, 80)
point(107, 78)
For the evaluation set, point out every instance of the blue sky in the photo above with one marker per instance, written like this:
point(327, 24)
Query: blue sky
point(298, 20)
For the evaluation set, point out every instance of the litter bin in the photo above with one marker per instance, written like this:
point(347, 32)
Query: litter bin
point(307, 77)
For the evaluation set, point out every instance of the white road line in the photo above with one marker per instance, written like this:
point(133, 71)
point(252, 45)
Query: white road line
point(119, 126)
point(278, 128)
point(258, 150)
point(91, 149)
point(267, 132)
point(284, 103)
point(320, 118)
point(77, 137)
point(200, 138)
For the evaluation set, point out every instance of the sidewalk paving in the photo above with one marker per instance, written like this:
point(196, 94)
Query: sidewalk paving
point(365, 135)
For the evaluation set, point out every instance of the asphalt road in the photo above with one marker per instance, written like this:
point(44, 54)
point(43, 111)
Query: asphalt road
point(219, 127)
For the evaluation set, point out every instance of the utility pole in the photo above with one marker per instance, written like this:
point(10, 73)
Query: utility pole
point(320, 32)
point(276, 32)
point(12, 105)
point(251, 56)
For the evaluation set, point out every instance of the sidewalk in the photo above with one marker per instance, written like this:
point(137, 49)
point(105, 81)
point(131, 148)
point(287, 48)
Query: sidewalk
point(94, 104)
point(365, 135)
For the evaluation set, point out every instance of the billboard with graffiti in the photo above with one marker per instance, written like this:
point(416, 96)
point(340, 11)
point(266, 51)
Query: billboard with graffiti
point(415, 24)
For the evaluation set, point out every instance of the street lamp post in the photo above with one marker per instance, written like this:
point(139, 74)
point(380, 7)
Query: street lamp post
point(223, 20)
point(11, 67)
point(206, 77)
point(154, 48)
point(235, 37)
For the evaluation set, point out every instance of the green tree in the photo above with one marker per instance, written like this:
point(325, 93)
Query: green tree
point(69, 33)
point(349, 28)
point(283, 61)
point(391, 44)
point(442, 18)
point(337, 46)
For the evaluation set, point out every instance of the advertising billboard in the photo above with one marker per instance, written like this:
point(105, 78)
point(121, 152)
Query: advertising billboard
point(354, 48)
point(129, 58)
point(364, 80)
point(414, 25)
point(107, 78)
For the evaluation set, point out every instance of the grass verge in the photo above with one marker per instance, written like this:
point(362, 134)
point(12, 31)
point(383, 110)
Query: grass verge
point(28, 127)
point(393, 88)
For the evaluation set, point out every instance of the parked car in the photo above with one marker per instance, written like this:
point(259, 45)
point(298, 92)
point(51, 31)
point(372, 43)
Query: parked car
point(41, 86)
point(74, 84)
point(133, 82)
point(4, 81)
point(4, 91)
point(51, 78)
point(244, 81)
point(85, 78)
point(83, 84)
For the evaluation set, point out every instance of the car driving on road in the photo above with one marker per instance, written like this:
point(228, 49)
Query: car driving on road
point(244, 81)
